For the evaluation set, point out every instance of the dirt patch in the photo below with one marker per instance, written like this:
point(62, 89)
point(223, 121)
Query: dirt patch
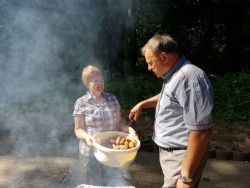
point(230, 133)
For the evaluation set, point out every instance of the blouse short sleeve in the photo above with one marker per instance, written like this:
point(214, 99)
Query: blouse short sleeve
point(78, 109)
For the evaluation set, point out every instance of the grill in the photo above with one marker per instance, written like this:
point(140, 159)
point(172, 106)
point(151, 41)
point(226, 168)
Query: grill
point(92, 186)
point(65, 177)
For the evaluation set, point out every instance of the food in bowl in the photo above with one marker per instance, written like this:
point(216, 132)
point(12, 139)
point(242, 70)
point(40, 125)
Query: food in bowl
point(105, 154)
point(120, 143)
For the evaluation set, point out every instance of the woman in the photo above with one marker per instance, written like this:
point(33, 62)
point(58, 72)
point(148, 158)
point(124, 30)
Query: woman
point(96, 112)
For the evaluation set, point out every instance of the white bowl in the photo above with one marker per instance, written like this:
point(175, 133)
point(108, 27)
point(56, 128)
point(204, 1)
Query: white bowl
point(111, 157)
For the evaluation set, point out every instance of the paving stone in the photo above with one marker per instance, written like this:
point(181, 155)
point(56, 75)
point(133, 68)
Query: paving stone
point(40, 172)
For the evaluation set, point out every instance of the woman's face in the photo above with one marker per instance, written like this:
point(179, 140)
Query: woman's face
point(96, 84)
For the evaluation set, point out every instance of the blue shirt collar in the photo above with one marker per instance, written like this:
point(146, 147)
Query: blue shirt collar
point(175, 67)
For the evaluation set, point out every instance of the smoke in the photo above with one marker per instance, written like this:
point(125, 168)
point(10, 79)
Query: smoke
point(43, 47)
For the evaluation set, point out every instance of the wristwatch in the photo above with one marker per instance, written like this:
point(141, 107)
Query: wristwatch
point(184, 179)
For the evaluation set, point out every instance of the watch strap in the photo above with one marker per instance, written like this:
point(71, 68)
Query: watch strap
point(184, 179)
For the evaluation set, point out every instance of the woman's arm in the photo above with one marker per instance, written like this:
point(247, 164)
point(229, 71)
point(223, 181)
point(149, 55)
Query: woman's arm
point(80, 132)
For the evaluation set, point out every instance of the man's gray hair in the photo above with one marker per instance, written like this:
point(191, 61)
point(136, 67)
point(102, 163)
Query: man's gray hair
point(161, 43)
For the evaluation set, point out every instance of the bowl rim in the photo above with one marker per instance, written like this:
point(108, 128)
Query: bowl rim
point(110, 150)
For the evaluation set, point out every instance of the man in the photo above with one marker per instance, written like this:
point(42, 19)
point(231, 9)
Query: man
point(183, 115)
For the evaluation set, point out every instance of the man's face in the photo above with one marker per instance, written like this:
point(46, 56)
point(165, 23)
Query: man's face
point(156, 64)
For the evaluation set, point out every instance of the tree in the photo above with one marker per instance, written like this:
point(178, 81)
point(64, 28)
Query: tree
point(112, 32)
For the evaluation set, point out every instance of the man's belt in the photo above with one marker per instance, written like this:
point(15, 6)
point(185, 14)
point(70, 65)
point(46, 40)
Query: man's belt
point(172, 149)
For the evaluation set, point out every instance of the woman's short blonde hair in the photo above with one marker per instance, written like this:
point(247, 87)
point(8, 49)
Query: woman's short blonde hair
point(89, 73)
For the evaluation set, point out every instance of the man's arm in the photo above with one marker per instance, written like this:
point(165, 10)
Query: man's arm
point(148, 103)
point(197, 144)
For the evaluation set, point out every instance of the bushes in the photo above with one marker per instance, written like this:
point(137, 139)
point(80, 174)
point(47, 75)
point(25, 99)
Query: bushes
point(132, 89)
point(232, 96)
point(231, 93)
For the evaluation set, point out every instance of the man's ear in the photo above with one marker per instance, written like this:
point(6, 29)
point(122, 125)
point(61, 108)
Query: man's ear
point(164, 56)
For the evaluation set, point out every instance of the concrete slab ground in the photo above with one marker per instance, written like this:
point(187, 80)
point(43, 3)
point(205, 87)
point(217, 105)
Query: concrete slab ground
point(62, 172)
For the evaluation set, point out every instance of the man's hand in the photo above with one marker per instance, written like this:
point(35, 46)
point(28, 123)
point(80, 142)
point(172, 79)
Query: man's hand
point(135, 112)
point(148, 103)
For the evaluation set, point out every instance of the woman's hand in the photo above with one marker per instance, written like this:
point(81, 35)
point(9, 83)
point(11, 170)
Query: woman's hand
point(132, 132)
point(89, 140)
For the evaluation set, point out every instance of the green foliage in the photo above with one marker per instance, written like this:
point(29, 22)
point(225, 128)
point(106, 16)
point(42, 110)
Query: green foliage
point(207, 31)
point(132, 89)
point(206, 178)
point(231, 93)
point(232, 96)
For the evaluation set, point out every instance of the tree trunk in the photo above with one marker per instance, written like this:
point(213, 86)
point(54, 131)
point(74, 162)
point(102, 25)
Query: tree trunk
point(133, 43)
point(116, 35)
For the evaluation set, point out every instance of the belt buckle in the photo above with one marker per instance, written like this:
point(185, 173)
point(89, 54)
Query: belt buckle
point(169, 149)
